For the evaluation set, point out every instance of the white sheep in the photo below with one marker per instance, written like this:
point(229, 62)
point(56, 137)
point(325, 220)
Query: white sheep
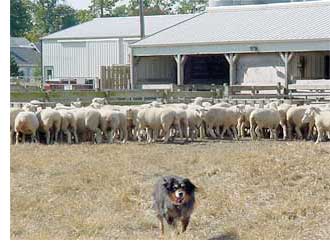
point(50, 121)
point(321, 118)
point(294, 117)
point(264, 118)
point(26, 123)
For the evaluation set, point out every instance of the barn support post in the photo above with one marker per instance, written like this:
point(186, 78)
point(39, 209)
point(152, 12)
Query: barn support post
point(231, 59)
point(286, 58)
point(180, 62)
point(131, 72)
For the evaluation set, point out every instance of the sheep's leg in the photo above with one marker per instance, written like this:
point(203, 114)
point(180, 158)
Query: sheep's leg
point(252, 133)
point(149, 135)
point(97, 136)
point(167, 135)
point(75, 136)
point(68, 135)
point(23, 138)
point(217, 132)
point(125, 135)
point(235, 133)
point(110, 136)
point(284, 127)
point(202, 131)
point(211, 132)
point(57, 130)
point(231, 135)
point(310, 131)
point(319, 135)
point(34, 137)
point(47, 136)
point(258, 133)
point(17, 137)
point(289, 132)
point(300, 136)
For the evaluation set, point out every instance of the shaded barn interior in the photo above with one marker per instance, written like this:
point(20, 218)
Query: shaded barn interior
point(206, 69)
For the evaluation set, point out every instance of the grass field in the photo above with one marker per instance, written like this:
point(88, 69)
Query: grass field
point(247, 190)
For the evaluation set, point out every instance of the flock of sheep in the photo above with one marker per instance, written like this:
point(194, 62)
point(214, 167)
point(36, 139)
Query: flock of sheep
point(100, 122)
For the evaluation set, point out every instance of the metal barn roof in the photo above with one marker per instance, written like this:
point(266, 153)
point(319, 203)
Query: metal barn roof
point(25, 56)
point(236, 25)
point(113, 27)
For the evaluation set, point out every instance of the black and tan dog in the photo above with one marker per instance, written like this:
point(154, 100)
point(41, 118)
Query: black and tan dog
point(174, 199)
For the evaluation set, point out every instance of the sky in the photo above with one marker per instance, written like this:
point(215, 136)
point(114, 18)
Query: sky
point(83, 4)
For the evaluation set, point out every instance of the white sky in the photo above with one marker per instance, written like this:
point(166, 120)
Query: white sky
point(83, 4)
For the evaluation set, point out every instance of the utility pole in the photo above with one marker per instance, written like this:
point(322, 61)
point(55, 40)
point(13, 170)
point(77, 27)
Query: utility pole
point(142, 32)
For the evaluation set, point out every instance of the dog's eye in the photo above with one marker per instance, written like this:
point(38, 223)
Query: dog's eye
point(176, 186)
point(182, 185)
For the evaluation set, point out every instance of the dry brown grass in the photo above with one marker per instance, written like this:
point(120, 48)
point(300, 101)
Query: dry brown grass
point(247, 190)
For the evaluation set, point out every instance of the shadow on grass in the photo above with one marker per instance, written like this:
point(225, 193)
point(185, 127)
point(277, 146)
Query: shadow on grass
point(226, 236)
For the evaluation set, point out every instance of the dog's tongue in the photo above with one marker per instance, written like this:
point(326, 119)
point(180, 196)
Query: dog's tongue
point(179, 200)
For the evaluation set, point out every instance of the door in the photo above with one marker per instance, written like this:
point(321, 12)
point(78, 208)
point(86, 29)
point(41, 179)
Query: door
point(49, 71)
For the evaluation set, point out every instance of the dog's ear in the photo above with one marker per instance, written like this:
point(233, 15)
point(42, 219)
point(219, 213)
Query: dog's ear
point(189, 185)
point(166, 183)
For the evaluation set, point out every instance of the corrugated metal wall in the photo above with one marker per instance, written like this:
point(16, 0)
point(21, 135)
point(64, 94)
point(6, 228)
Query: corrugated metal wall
point(126, 50)
point(80, 58)
point(160, 69)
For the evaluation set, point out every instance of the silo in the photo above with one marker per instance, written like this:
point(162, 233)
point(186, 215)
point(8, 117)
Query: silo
point(217, 3)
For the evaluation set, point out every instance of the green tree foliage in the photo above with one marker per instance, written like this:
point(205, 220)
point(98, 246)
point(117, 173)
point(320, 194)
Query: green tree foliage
point(65, 17)
point(83, 16)
point(152, 7)
point(14, 69)
point(20, 17)
point(102, 8)
point(191, 6)
point(119, 11)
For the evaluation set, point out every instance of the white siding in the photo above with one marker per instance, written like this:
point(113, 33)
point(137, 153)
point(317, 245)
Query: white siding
point(126, 50)
point(267, 68)
point(81, 58)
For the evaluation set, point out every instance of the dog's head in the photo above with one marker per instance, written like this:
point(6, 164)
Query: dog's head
point(180, 190)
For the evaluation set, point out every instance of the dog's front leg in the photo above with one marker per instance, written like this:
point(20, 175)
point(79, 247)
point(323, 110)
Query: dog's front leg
point(161, 226)
point(185, 222)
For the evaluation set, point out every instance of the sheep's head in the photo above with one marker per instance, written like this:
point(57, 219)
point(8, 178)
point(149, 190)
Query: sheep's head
point(310, 114)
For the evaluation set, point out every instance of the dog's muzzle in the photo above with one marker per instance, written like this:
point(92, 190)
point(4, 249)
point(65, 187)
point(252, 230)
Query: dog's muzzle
point(179, 195)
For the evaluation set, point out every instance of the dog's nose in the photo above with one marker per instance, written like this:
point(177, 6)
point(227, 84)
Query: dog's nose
point(180, 194)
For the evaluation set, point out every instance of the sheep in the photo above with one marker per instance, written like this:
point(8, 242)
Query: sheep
point(283, 109)
point(111, 121)
point(244, 120)
point(88, 121)
point(294, 117)
point(264, 118)
point(194, 119)
point(27, 123)
point(13, 113)
point(154, 119)
point(49, 119)
point(321, 118)
point(68, 122)
point(99, 100)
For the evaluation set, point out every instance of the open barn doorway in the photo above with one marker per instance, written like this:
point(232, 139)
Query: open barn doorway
point(206, 69)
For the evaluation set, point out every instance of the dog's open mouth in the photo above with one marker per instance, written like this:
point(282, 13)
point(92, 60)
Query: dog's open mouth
point(179, 201)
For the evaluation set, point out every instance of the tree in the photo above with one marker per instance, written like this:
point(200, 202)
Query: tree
point(188, 6)
point(102, 8)
point(65, 17)
point(20, 17)
point(14, 69)
point(120, 11)
point(152, 7)
point(83, 16)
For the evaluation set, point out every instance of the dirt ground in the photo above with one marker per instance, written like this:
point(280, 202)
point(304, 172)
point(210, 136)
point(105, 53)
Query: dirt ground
point(247, 190)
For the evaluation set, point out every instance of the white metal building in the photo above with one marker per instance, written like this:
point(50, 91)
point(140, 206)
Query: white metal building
point(243, 44)
point(79, 51)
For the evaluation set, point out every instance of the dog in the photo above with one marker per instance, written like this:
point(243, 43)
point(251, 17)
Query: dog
point(174, 200)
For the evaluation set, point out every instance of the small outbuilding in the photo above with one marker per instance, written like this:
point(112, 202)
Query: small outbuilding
point(241, 44)
point(77, 53)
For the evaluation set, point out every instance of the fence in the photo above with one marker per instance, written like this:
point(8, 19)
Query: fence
point(115, 77)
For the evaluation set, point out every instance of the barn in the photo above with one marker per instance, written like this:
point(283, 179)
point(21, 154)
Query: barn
point(240, 44)
point(75, 55)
